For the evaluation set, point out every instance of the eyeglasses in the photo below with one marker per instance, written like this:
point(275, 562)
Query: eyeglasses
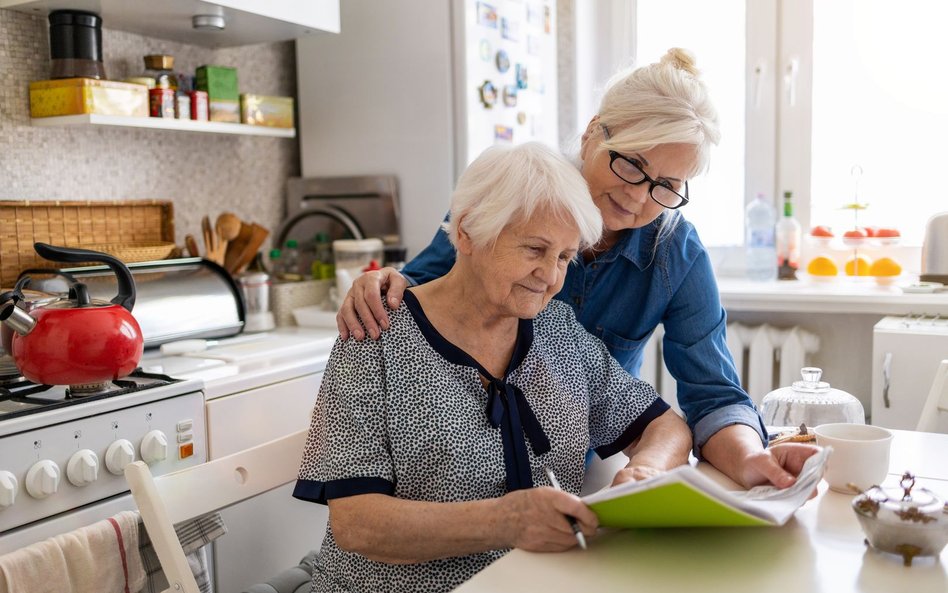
point(630, 171)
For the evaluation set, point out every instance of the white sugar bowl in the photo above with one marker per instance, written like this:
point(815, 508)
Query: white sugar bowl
point(811, 402)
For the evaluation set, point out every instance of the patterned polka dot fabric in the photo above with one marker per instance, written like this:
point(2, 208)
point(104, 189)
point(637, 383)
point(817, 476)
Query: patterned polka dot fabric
point(396, 417)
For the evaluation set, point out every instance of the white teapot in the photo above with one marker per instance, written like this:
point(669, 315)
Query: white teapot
point(811, 402)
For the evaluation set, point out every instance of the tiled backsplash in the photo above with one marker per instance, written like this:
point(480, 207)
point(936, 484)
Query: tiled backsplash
point(201, 173)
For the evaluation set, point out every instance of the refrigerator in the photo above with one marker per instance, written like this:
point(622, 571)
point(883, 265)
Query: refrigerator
point(418, 88)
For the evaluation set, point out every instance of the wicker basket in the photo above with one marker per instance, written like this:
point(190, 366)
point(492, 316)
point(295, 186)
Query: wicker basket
point(132, 228)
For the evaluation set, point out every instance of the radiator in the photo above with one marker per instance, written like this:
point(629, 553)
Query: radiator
point(766, 357)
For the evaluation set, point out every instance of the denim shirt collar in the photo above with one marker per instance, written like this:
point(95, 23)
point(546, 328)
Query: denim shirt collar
point(636, 245)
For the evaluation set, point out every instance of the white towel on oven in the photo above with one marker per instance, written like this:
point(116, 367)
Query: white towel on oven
point(100, 558)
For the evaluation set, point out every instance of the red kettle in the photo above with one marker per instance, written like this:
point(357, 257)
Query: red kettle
point(76, 340)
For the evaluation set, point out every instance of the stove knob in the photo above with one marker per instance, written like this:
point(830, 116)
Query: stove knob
point(42, 479)
point(118, 455)
point(8, 489)
point(83, 468)
point(154, 447)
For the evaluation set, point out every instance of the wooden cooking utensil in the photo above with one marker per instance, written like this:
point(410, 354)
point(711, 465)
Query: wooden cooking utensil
point(229, 225)
point(258, 236)
point(208, 235)
point(235, 247)
point(192, 246)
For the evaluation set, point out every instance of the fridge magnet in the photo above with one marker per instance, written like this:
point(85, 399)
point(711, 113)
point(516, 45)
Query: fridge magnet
point(509, 29)
point(488, 93)
point(510, 95)
point(534, 15)
point(547, 19)
point(485, 50)
point(533, 45)
point(521, 76)
point(486, 15)
point(503, 133)
point(521, 117)
point(502, 60)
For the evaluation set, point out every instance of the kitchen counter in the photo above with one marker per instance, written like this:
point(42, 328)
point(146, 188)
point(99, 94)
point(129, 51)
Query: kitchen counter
point(820, 549)
point(843, 295)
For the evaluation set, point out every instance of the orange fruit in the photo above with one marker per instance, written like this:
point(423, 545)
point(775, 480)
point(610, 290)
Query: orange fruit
point(885, 266)
point(822, 266)
point(858, 266)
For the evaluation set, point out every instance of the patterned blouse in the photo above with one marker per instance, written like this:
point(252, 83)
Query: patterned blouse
point(408, 416)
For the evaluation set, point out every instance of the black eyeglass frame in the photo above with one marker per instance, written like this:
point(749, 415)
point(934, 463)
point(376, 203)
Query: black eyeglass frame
point(614, 156)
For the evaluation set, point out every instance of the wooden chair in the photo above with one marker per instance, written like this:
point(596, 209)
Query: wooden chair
point(936, 402)
point(195, 491)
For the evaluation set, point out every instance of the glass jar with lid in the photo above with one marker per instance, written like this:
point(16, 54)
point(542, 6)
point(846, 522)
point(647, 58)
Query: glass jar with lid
point(811, 402)
point(160, 67)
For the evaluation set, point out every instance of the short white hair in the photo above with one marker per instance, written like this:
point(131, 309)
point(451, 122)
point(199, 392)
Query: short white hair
point(507, 185)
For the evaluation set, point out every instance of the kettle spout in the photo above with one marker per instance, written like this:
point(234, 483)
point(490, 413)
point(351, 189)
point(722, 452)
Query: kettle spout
point(17, 319)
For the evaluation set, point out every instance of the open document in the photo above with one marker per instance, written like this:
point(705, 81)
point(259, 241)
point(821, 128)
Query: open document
point(684, 497)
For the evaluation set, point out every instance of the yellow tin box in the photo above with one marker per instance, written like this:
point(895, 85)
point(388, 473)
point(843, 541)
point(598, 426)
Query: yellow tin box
point(74, 96)
point(261, 110)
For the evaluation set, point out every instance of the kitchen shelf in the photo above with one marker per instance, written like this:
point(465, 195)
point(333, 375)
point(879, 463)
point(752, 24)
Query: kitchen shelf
point(183, 125)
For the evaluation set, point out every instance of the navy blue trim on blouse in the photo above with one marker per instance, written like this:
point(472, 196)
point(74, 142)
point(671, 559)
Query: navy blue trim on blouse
point(321, 492)
point(507, 407)
point(634, 430)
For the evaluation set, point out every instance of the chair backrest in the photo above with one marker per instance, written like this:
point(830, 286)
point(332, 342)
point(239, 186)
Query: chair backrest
point(936, 402)
point(195, 491)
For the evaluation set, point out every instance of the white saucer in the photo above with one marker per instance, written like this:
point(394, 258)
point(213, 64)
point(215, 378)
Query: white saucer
point(922, 287)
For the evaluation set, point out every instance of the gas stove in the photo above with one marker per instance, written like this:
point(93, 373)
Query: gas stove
point(19, 397)
point(61, 451)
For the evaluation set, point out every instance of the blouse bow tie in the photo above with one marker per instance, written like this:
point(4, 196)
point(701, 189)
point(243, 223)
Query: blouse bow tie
point(508, 409)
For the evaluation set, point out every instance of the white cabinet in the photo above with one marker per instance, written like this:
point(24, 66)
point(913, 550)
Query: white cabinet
point(246, 21)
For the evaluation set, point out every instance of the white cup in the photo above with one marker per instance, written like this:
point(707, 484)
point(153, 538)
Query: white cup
point(860, 455)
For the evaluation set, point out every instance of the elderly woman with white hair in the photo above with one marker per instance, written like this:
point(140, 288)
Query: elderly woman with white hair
point(430, 444)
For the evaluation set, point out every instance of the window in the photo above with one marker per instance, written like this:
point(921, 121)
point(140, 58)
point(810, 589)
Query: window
point(836, 100)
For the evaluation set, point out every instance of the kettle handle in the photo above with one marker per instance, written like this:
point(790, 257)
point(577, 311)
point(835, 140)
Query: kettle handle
point(126, 284)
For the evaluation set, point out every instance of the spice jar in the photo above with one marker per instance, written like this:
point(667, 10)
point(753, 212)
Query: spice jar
point(159, 67)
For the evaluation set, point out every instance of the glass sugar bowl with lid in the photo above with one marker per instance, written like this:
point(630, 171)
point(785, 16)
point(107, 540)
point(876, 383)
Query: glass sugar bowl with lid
point(811, 402)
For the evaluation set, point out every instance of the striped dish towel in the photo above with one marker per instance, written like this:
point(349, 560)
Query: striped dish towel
point(193, 534)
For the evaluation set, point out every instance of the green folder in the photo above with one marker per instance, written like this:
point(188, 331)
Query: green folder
point(685, 497)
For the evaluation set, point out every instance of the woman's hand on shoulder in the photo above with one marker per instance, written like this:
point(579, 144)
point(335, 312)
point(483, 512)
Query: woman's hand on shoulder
point(362, 305)
point(536, 519)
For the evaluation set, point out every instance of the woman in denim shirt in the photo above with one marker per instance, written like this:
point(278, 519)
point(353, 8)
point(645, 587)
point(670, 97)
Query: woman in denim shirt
point(653, 132)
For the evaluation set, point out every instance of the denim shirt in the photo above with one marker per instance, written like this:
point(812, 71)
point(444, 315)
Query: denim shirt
point(621, 295)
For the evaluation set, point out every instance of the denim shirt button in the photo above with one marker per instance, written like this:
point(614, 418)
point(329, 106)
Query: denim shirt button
point(594, 266)
point(577, 301)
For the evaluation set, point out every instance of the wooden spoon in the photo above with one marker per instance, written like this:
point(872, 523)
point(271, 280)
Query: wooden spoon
point(228, 224)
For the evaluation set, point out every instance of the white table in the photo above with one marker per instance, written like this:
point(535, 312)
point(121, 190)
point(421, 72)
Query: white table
point(821, 549)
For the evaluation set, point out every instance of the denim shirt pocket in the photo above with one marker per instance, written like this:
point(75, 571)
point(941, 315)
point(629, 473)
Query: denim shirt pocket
point(626, 351)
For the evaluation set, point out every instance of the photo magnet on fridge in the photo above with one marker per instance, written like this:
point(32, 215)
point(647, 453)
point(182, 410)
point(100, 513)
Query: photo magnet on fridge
point(510, 95)
point(488, 94)
point(484, 50)
point(522, 76)
point(503, 133)
point(502, 60)
point(509, 29)
point(486, 15)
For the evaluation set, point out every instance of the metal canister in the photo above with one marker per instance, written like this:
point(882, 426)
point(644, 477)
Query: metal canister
point(161, 102)
point(199, 110)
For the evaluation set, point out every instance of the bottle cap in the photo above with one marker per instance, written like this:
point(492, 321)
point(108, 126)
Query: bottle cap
point(292, 244)
point(373, 265)
point(274, 253)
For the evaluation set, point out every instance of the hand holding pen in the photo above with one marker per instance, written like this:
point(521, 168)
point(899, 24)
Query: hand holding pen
point(580, 538)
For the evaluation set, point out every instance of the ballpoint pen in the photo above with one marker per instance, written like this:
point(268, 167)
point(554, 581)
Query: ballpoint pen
point(580, 538)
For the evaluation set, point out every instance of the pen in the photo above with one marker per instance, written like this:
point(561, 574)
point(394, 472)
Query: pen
point(580, 538)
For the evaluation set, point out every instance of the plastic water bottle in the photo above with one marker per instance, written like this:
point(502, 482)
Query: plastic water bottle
point(760, 240)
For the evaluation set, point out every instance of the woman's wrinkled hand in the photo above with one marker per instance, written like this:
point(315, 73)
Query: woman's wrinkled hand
point(778, 465)
point(537, 521)
point(362, 305)
point(635, 473)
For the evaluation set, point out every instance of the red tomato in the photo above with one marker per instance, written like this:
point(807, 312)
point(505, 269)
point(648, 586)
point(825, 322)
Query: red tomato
point(821, 231)
point(888, 233)
point(856, 234)
point(871, 231)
